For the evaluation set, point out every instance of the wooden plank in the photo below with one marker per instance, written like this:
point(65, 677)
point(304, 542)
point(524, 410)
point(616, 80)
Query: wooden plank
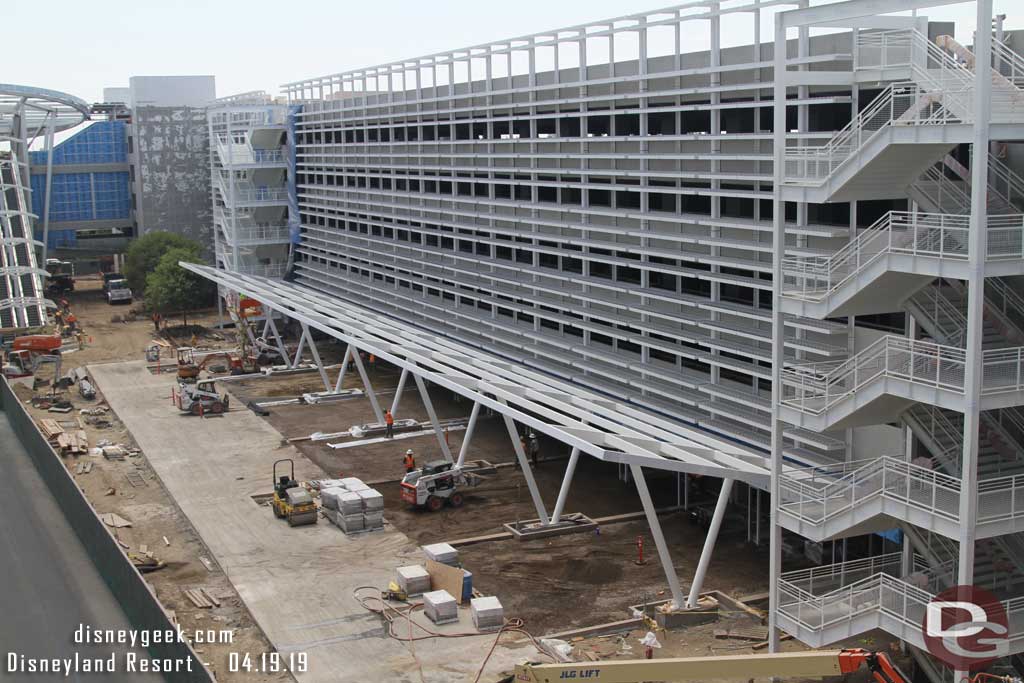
point(763, 645)
point(443, 577)
point(114, 520)
point(211, 597)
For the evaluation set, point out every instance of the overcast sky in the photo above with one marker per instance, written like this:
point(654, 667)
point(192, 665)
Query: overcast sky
point(81, 47)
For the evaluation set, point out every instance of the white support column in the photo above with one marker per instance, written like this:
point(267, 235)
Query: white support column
point(344, 367)
point(709, 543)
point(977, 241)
point(308, 336)
point(778, 343)
point(531, 484)
point(464, 449)
point(659, 538)
point(47, 195)
point(398, 392)
point(367, 386)
point(272, 326)
point(563, 492)
point(301, 348)
point(432, 414)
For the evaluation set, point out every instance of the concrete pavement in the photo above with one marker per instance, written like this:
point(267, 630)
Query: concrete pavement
point(297, 582)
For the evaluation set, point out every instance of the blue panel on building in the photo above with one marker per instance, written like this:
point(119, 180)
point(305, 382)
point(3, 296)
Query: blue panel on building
point(86, 196)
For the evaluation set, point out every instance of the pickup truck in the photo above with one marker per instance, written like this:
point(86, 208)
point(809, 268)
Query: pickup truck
point(118, 292)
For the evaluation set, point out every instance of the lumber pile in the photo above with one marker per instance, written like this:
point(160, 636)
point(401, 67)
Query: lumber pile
point(51, 429)
point(73, 443)
point(202, 598)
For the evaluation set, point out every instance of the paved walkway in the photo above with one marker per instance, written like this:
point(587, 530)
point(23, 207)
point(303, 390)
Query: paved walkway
point(297, 582)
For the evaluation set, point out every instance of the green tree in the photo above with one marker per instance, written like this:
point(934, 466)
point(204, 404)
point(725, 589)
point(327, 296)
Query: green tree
point(144, 254)
point(172, 289)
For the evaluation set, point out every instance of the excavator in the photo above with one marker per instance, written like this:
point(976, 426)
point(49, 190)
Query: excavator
point(783, 665)
point(189, 368)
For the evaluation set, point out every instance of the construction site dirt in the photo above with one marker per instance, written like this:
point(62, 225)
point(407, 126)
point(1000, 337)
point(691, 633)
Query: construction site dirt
point(128, 488)
point(554, 583)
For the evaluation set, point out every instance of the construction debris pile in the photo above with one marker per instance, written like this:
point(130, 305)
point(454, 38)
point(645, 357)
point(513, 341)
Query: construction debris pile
point(351, 505)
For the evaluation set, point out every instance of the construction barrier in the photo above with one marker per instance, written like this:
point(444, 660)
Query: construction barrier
point(136, 597)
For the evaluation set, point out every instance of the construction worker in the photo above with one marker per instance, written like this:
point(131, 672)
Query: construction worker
point(534, 449)
point(156, 322)
point(389, 425)
point(409, 461)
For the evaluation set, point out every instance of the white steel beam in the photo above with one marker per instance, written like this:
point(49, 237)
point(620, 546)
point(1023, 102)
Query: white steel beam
point(344, 368)
point(709, 543)
point(524, 462)
point(470, 427)
point(432, 414)
point(563, 492)
point(398, 392)
point(659, 539)
point(306, 334)
point(367, 386)
point(272, 326)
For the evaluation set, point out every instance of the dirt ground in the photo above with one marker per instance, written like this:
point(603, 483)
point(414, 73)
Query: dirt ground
point(130, 489)
point(540, 581)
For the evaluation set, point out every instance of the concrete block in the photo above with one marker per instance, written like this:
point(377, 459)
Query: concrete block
point(372, 500)
point(354, 484)
point(329, 496)
point(440, 607)
point(351, 523)
point(373, 520)
point(487, 612)
point(413, 579)
point(349, 503)
point(441, 552)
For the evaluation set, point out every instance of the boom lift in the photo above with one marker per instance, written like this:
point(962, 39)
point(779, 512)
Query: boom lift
point(785, 665)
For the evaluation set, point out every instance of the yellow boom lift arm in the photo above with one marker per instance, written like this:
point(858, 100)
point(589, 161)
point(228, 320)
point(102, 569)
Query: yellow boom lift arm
point(785, 665)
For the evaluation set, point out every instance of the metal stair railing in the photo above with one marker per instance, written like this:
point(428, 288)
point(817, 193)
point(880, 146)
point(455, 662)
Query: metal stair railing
point(1008, 63)
point(1005, 190)
point(935, 235)
point(816, 495)
point(815, 388)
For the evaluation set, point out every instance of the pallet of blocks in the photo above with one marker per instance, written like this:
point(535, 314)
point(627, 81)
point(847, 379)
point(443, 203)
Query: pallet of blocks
point(440, 607)
point(354, 484)
point(413, 580)
point(350, 512)
point(487, 612)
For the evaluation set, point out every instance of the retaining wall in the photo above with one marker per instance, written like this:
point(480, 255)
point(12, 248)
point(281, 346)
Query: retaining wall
point(136, 597)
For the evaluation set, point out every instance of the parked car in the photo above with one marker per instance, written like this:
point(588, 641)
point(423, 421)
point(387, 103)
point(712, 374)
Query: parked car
point(118, 292)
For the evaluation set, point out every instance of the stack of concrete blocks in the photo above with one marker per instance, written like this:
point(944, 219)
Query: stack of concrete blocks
point(443, 553)
point(373, 508)
point(413, 579)
point(350, 512)
point(354, 484)
point(488, 613)
point(329, 502)
point(440, 607)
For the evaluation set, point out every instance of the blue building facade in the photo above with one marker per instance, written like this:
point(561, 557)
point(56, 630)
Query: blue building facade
point(91, 184)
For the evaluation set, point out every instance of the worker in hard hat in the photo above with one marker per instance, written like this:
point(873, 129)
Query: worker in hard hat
point(409, 461)
point(389, 425)
point(534, 449)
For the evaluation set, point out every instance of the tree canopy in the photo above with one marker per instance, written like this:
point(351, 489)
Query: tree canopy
point(145, 253)
point(172, 289)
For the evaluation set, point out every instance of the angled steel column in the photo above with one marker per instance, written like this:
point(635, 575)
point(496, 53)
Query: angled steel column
point(432, 414)
point(399, 390)
point(531, 483)
point(277, 339)
point(563, 492)
point(709, 543)
point(367, 386)
point(659, 538)
point(316, 356)
point(464, 448)
point(344, 368)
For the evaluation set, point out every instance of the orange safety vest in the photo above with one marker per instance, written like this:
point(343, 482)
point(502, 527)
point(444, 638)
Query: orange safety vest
point(389, 419)
point(410, 462)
